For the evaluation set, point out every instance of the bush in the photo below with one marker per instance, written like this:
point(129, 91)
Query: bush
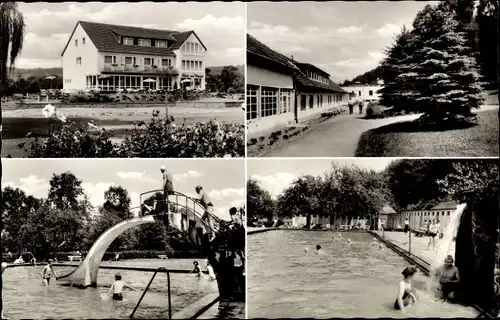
point(374, 111)
point(160, 138)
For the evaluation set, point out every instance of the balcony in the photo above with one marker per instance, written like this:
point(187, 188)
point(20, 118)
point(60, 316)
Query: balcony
point(128, 68)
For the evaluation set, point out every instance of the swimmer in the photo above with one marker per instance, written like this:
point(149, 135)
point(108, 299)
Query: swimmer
point(196, 269)
point(306, 249)
point(380, 246)
point(210, 270)
point(374, 243)
point(47, 273)
point(406, 295)
point(349, 241)
point(117, 288)
point(318, 249)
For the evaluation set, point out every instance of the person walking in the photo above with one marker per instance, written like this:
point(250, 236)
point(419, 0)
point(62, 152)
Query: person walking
point(360, 106)
point(209, 209)
point(407, 226)
point(168, 187)
point(433, 231)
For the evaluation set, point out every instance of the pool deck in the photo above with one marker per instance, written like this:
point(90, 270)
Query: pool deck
point(252, 230)
point(418, 244)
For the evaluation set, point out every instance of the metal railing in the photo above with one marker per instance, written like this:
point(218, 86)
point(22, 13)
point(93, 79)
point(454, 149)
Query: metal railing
point(147, 288)
point(196, 203)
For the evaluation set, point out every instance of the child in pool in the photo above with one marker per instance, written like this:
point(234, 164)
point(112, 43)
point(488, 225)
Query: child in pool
point(196, 269)
point(117, 288)
point(318, 249)
point(210, 270)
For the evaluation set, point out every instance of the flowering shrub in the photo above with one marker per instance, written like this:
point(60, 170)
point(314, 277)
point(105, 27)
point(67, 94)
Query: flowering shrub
point(160, 138)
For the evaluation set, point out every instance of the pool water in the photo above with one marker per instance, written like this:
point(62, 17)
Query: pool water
point(25, 296)
point(347, 280)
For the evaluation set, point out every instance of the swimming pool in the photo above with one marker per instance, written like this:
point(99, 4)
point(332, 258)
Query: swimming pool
point(25, 296)
point(353, 280)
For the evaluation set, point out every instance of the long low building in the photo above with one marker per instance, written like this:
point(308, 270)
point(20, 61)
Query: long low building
point(282, 91)
point(441, 212)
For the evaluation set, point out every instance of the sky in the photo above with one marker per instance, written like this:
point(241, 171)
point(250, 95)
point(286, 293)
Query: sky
point(223, 179)
point(219, 25)
point(344, 39)
point(275, 175)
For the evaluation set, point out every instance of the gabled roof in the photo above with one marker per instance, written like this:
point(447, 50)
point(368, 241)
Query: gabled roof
point(106, 38)
point(387, 209)
point(303, 66)
point(448, 205)
point(305, 81)
point(257, 48)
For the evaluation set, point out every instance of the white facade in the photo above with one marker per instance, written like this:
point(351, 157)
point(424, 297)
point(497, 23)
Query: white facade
point(84, 67)
point(365, 92)
point(419, 218)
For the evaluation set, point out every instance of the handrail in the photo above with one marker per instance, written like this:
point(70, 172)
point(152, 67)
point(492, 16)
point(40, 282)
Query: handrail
point(147, 288)
point(205, 223)
point(196, 202)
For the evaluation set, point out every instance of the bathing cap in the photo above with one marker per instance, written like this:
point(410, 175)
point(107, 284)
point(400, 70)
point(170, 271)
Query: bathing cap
point(163, 168)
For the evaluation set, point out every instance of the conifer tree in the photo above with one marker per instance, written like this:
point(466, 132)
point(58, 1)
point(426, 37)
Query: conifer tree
point(397, 92)
point(442, 69)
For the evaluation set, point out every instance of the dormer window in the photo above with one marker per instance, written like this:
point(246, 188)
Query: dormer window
point(145, 42)
point(161, 44)
point(128, 41)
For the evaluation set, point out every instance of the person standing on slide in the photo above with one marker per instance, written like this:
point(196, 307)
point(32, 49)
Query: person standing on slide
point(168, 186)
point(209, 209)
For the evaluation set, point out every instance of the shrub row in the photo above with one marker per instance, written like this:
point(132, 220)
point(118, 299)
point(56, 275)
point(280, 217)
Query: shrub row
point(158, 138)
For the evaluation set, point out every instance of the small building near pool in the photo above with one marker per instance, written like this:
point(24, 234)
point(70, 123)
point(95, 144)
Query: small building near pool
point(282, 91)
point(442, 212)
point(385, 218)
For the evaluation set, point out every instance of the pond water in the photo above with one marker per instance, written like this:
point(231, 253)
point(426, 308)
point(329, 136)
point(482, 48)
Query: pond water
point(347, 280)
point(25, 296)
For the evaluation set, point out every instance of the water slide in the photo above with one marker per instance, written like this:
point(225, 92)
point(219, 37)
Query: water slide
point(185, 215)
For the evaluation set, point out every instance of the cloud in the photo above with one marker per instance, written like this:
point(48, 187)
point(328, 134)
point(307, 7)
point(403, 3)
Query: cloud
point(388, 30)
point(226, 193)
point(275, 183)
point(219, 26)
point(136, 176)
point(32, 185)
point(95, 191)
point(188, 175)
point(350, 30)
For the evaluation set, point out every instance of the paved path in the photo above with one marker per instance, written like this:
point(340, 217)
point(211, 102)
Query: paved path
point(339, 136)
point(418, 244)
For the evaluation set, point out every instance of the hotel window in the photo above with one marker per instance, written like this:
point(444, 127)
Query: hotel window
point(192, 65)
point(165, 62)
point(78, 61)
point(145, 42)
point(83, 41)
point(128, 60)
point(135, 60)
point(311, 101)
point(268, 101)
point(76, 42)
point(108, 59)
point(128, 41)
point(359, 93)
point(161, 44)
point(303, 102)
point(252, 95)
point(370, 93)
point(147, 61)
point(183, 64)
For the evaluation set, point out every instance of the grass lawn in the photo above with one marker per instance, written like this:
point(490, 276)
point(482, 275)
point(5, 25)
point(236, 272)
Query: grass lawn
point(402, 139)
point(17, 123)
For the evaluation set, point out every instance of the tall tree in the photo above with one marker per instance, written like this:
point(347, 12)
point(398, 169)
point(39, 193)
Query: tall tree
point(444, 73)
point(487, 20)
point(259, 202)
point(116, 199)
point(66, 191)
point(397, 92)
point(12, 32)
